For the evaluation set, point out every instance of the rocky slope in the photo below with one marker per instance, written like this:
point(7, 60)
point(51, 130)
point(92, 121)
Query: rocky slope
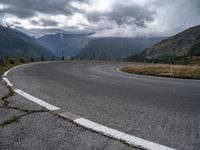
point(184, 46)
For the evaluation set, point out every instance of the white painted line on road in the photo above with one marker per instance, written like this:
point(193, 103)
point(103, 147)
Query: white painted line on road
point(130, 139)
point(36, 100)
point(68, 115)
point(115, 134)
point(7, 81)
point(99, 128)
point(5, 73)
point(118, 69)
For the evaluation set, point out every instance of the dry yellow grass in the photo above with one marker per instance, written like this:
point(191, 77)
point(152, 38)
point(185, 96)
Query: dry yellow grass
point(175, 71)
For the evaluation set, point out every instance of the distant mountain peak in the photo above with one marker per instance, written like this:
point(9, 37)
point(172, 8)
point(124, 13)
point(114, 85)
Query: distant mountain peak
point(115, 48)
point(183, 45)
point(18, 44)
point(68, 44)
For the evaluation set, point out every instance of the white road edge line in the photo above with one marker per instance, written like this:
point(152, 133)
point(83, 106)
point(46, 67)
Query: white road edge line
point(5, 73)
point(36, 100)
point(130, 139)
point(7, 81)
point(118, 69)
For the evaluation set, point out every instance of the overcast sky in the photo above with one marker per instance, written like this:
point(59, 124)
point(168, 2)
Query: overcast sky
point(124, 18)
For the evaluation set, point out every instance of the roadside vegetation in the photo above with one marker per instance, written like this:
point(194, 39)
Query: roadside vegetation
point(8, 62)
point(165, 70)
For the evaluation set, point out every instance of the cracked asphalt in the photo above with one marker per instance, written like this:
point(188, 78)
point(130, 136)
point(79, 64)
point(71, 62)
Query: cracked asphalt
point(162, 110)
point(38, 129)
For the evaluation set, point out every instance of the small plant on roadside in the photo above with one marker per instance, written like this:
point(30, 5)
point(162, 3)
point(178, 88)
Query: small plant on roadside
point(22, 60)
point(42, 59)
point(12, 61)
point(32, 60)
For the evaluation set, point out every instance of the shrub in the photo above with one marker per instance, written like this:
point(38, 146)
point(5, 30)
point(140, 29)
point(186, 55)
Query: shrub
point(12, 61)
point(22, 60)
point(32, 60)
point(42, 59)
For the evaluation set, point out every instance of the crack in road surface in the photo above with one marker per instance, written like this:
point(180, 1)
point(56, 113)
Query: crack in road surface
point(25, 122)
point(6, 105)
point(165, 111)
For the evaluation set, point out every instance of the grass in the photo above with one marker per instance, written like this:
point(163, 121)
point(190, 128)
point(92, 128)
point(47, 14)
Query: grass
point(9, 94)
point(17, 62)
point(174, 71)
point(8, 66)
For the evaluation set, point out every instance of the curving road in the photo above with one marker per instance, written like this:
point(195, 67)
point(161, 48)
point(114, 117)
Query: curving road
point(162, 110)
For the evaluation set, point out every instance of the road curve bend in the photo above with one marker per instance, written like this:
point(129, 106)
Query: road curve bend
point(162, 110)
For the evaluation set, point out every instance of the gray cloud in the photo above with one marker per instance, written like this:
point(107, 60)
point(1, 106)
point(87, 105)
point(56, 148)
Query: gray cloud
point(22, 13)
point(47, 22)
point(124, 14)
point(125, 18)
point(28, 8)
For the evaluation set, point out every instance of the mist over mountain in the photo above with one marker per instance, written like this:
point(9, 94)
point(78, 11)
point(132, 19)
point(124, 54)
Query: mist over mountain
point(183, 46)
point(64, 44)
point(14, 43)
point(115, 48)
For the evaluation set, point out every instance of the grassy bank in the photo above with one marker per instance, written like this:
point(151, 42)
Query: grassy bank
point(6, 67)
point(174, 71)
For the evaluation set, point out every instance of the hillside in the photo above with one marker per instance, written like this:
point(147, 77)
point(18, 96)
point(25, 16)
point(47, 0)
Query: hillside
point(14, 43)
point(67, 44)
point(115, 48)
point(184, 46)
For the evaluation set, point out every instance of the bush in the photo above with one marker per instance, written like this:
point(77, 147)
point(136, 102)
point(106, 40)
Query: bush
point(42, 59)
point(12, 61)
point(32, 60)
point(1, 62)
point(22, 60)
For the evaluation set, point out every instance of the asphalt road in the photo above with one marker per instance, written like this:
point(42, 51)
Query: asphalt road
point(162, 110)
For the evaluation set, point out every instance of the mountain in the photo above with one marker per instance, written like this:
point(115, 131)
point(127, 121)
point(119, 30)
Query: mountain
point(14, 43)
point(67, 44)
point(184, 46)
point(115, 48)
